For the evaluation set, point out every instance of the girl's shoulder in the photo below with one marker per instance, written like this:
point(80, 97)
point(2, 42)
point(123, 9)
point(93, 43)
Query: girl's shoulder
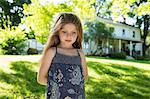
point(81, 52)
point(51, 51)
point(48, 55)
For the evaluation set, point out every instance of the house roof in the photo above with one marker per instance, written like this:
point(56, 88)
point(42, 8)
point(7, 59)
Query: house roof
point(114, 22)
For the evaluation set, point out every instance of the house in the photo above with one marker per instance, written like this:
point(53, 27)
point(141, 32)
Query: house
point(126, 39)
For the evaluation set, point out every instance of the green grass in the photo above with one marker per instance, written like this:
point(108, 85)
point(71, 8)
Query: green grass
point(117, 81)
point(108, 79)
point(137, 61)
point(21, 82)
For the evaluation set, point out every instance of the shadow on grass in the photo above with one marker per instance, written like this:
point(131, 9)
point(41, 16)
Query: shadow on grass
point(117, 82)
point(137, 61)
point(23, 81)
point(113, 82)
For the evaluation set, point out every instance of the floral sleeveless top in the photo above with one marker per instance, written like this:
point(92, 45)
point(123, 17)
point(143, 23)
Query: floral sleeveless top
point(65, 78)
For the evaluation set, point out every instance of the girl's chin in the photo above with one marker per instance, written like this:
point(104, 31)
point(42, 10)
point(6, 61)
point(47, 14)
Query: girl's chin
point(66, 44)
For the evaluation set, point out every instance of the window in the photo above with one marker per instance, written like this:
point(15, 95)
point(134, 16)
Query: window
point(133, 34)
point(123, 32)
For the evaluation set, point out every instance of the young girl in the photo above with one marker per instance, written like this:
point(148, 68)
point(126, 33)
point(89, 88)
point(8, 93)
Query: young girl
point(63, 66)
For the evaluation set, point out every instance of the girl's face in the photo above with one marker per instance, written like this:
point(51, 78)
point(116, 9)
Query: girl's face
point(68, 35)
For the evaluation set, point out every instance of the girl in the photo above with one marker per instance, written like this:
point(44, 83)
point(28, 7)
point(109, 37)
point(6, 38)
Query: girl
point(63, 66)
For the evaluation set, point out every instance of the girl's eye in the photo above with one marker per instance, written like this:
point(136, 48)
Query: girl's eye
point(64, 32)
point(74, 33)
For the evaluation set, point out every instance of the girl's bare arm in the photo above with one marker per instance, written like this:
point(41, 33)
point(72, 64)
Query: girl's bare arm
point(44, 66)
point(84, 65)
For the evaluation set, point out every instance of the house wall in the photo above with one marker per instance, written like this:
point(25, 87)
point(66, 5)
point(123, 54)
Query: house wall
point(128, 34)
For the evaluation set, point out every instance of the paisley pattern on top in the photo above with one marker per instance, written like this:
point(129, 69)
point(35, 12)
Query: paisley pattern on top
point(65, 78)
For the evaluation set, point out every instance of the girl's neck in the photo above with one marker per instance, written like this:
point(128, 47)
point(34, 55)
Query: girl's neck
point(65, 47)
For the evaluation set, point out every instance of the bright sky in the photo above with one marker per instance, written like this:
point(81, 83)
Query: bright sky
point(11, 1)
point(129, 20)
point(45, 1)
point(54, 1)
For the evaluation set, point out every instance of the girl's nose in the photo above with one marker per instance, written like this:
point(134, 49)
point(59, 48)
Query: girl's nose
point(69, 35)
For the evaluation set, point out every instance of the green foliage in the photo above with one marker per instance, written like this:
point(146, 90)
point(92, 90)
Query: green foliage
point(139, 57)
point(11, 11)
point(147, 58)
point(103, 8)
point(12, 40)
point(124, 7)
point(84, 9)
point(30, 34)
point(118, 55)
point(40, 17)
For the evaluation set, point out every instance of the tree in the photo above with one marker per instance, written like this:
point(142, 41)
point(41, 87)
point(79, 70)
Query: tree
point(30, 34)
point(11, 12)
point(84, 9)
point(97, 32)
point(40, 17)
point(137, 9)
point(102, 8)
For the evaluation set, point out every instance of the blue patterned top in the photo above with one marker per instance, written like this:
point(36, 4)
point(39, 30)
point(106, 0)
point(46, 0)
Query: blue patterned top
point(65, 78)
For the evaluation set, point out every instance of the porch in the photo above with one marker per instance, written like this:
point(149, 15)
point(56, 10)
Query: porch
point(128, 47)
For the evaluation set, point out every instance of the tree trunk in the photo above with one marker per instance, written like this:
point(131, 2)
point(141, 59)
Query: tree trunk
point(145, 32)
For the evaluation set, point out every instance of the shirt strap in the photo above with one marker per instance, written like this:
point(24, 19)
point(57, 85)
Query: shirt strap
point(56, 49)
point(78, 52)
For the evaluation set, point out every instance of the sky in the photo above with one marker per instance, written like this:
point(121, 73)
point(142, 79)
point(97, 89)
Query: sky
point(54, 1)
point(11, 1)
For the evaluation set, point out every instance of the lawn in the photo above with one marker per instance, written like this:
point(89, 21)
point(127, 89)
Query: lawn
point(108, 78)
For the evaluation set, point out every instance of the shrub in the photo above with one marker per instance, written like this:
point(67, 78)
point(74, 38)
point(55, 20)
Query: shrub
point(12, 40)
point(118, 55)
point(139, 57)
point(147, 58)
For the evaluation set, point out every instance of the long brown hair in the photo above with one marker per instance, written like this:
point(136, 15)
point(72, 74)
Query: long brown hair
point(62, 19)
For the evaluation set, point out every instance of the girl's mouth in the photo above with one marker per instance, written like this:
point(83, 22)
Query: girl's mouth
point(68, 40)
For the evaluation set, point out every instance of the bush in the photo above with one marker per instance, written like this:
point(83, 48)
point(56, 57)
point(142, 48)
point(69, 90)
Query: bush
point(139, 57)
point(32, 51)
point(118, 55)
point(12, 40)
point(147, 58)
